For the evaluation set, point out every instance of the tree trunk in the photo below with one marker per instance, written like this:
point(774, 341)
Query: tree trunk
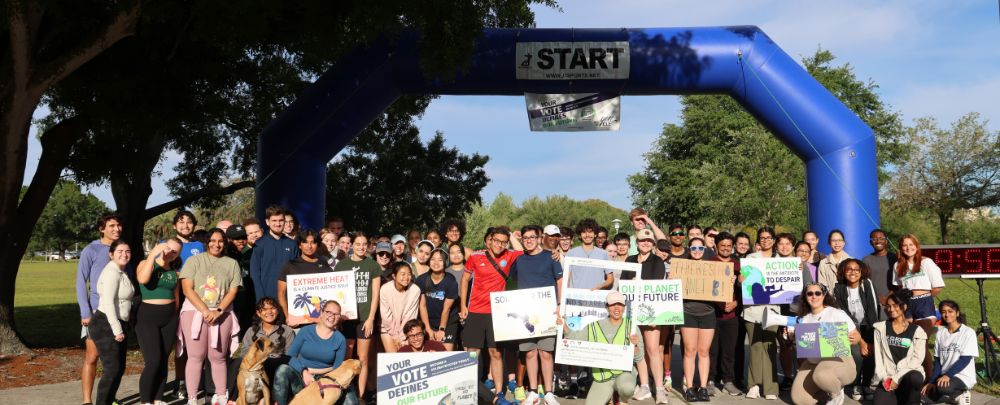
point(944, 227)
point(62, 253)
point(131, 193)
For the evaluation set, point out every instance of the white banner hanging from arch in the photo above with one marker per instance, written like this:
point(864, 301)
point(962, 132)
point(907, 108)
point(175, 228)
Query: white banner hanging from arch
point(573, 112)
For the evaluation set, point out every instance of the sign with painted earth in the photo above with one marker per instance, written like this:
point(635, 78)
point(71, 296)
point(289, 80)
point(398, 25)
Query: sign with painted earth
point(771, 281)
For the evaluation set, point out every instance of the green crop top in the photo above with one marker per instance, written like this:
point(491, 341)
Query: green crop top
point(161, 284)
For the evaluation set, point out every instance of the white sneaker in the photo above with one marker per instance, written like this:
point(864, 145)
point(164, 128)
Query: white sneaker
point(965, 398)
point(531, 399)
point(641, 393)
point(661, 395)
point(839, 399)
point(220, 399)
point(753, 392)
point(550, 399)
point(193, 401)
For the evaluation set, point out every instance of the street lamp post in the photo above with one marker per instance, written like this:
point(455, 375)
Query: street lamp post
point(618, 224)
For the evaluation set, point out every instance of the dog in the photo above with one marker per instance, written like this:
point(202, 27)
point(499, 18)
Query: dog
point(252, 382)
point(328, 388)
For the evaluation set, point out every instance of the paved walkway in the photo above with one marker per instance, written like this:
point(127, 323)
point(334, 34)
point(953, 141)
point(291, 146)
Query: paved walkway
point(68, 393)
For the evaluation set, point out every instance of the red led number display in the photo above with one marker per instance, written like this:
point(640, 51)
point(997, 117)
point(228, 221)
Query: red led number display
point(965, 259)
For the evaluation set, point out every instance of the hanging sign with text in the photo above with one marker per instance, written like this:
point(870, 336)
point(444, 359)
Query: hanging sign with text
point(705, 281)
point(573, 112)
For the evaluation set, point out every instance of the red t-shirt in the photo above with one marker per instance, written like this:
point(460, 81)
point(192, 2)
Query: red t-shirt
point(485, 278)
point(429, 346)
point(736, 289)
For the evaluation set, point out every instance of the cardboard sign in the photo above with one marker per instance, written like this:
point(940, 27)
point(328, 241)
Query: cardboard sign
point(306, 294)
point(432, 378)
point(771, 281)
point(822, 339)
point(523, 314)
point(705, 281)
point(655, 302)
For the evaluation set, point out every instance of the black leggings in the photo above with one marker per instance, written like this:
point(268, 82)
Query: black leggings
point(907, 391)
point(955, 388)
point(156, 330)
point(112, 354)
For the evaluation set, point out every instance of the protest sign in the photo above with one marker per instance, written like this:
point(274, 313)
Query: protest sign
point(523, 314)
point(431, 378)
point(771, 281)
point(822, 339)
point(306, 294)
point(706, 281)
point(655, 302)
point(581, 307)
point(573, 112)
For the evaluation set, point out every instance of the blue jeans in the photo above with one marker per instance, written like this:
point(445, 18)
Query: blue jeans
point(288, 382)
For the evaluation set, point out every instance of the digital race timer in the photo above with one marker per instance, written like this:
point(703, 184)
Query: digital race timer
point(956, 260)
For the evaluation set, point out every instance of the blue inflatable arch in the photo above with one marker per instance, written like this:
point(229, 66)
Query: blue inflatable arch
point(294, 150)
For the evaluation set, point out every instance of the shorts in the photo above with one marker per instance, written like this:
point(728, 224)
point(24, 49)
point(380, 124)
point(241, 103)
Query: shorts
point(699, 322)
point(546, 344)
point(478, 332)
point(921, 307)
point(354, 329)
point(451, 332)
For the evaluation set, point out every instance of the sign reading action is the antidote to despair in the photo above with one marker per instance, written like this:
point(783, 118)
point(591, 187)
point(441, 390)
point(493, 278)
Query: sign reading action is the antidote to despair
point(706, 281)
point(572, 60)
point(573, 112)
point(654, 302)
point(822, 339)
point(432, 378)
point(522, 314)
point(771, 281)
point(308, 292)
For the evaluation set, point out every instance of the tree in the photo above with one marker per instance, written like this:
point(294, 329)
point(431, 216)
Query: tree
point(387, 180)
point(949, 170)
point(674, 183)
point(68, 218)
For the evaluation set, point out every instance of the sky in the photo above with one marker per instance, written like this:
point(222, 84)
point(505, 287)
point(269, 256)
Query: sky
point(929, 58)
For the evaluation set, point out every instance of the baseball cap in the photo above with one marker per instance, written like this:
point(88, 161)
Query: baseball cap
point(616, 297)
point(383, 247)
point(663, 246)
point(551, 230)
point(236, 232)
point(397, 238)
point(644, 234)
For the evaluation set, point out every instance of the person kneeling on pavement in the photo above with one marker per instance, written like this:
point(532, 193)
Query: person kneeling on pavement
point(612, 330)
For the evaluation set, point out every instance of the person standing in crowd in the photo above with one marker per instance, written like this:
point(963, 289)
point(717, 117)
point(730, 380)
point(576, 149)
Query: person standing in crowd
point(184, 225)
point(456, 261)
point(550, 239)
point(93, 260)
point(899, 354)
point(239, 250)
point(622, 244)
point(454, 232)
point(335, 225)
point(663, 251)
point(742, 247)
point(368, 281)
point(270, 253)
point(677, 249)
point(697, 334)
point(491, 270)
point(763, 371)
point(210, 282)
point(399, 251)
point(156, 320)
point(399, 301)
point(344, 246)
point(827, 269)
point(882, 264)
point(610, 385)
point(223, 225)
point(922, 276)
point(653, 268)
point(710, 234)
point(612, 250)
point(602, 236)
point(724, 342)
point(804, 252)
point(268, 323)
point(812, 239)
point(955, 347)
point(291, 227)
point(695, 231)
point(328, 247)
point(856, 294)
point(421, 263)
point(434, 237)
point(823, 375)
point(640, 220)
point(307, 263)
point(785, 248)
point(438, 293)
point(592, 278)
point(254, 232)
point(412, 239)
point(317, 349)
point(108, 323)
point(537, 269)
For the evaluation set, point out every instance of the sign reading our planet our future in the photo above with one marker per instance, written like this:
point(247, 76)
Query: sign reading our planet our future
point(771, 281)
point(655, 302)
point(705, 281)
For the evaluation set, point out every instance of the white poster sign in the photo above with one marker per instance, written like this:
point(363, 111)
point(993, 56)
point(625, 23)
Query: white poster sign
point(522, 314)
point(581, 307)
point(573, 112)
point(308, 292)
point(771, 281)
point(655, 302)
point(431, 378)
point(572, 60)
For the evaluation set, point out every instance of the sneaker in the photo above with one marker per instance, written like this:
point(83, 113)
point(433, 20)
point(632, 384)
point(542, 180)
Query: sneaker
point(220, 399)
point(786, 384)
point(193, 401)
point(711, 389)
point(562, 381)
point(661, 395)
point(856, 393)
point(770, 397)
point(667, 381)
point(965, 398)
point(703, 394)
point(615, 399)
point(520, 396)
point(839, 399)
point(531, 399)
point(753, 392)
point(731, 389)
point(691, 395)
point(360, 401)
point(501, 400)
point(550, 399)
point(574, 390)
point(180, 390)
point(489, 384)
point(512, 387)
point(869, 393)
point(641, 393)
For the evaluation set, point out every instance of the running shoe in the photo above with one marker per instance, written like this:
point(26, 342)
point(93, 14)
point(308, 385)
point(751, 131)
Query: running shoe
point(711, 389)
point(753, 392)
point(550, 399)
point(641, 393)
point(731, 389)
point(661, 395)
point(531, 399)
point(519, 394)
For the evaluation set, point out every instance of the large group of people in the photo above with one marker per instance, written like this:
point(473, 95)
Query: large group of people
point(211, 294)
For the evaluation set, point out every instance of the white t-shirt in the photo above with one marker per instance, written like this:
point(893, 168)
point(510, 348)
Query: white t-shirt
point(948, 347)
point(829, 314)
point(855, 306)
point(927, 278)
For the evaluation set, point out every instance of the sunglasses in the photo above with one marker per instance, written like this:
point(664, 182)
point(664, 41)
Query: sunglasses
point(677, 233)
point(697, 248)
point(814, 293)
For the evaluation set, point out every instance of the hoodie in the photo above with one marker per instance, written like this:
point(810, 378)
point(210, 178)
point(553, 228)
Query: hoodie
point(269, 254)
